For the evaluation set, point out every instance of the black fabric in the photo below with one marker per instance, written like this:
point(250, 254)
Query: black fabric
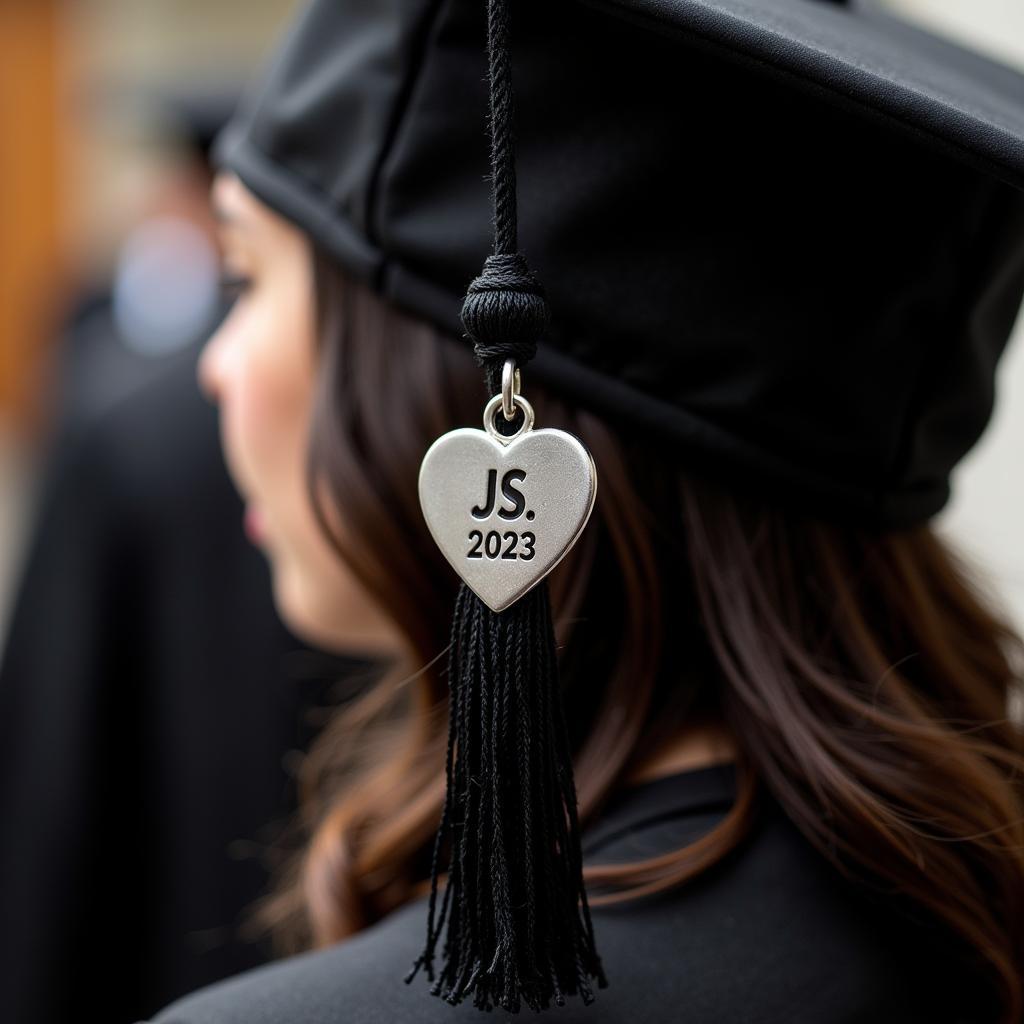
point(771, 936)
point(148, 697)
point(512, 927)
point(784, 240)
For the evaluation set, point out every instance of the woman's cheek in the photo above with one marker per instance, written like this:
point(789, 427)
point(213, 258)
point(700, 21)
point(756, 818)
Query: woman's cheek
point(266, 405)
point(239, 402)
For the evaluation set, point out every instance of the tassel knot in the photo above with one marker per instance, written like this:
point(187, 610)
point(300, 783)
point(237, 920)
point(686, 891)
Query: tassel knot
point(505, 311)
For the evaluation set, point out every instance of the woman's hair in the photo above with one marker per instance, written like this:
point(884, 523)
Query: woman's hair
point(864, 676)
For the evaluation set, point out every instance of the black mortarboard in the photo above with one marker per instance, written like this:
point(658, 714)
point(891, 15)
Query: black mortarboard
point(782, 239)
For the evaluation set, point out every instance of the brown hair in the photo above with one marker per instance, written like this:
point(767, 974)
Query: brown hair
point(864, 675)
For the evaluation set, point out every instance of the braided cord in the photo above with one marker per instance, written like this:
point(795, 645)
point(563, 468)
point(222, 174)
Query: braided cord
point(505, 311)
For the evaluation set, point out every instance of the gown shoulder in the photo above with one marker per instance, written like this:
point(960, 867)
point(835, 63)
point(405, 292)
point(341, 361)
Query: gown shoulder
point(773, 934)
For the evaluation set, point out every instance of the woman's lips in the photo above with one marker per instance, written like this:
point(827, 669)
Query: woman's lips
point(253, 525)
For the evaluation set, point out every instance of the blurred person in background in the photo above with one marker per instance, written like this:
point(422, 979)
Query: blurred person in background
point(149, 695)
point(160, 297)
point(787, 698)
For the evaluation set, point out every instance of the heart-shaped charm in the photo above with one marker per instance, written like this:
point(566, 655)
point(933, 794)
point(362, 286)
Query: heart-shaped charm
point(504, 510)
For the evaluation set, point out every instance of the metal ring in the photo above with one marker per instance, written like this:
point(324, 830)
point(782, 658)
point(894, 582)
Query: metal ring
point(491, 409)
point(510, 386)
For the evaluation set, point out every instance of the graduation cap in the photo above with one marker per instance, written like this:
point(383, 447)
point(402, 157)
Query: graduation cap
point(781, 239)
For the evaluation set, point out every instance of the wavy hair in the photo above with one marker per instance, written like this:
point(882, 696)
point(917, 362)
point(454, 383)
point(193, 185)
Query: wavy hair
point(865, 675)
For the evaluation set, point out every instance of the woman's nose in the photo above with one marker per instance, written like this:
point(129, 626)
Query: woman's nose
point(210, 369)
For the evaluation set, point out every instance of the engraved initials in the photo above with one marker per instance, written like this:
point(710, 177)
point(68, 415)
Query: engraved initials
point(509, 492)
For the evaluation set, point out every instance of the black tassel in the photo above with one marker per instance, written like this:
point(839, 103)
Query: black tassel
point(518, 923)
point(514, 911)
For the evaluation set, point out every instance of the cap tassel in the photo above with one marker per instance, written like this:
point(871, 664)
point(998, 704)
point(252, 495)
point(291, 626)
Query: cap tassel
point(518, 924)
point(515, 907)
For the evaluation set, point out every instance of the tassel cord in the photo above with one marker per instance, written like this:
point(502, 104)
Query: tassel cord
point(514, 914)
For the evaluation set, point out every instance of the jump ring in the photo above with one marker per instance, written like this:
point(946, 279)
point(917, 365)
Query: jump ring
point(491, 410)
point(510, 387)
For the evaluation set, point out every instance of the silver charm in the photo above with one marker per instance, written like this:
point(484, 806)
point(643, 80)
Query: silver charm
point(504, 510)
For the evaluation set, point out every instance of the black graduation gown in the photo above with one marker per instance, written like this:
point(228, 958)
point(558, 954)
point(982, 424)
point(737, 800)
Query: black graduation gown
point(148, 695)
point(771, 936)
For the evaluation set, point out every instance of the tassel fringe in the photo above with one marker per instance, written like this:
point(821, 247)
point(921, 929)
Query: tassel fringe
point(518, 923)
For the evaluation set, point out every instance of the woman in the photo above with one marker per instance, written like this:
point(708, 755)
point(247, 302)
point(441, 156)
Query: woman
point(787, 699)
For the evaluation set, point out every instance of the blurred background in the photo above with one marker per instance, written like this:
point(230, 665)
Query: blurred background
point(152, 706)
point(105, 107)
point(143, 765)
